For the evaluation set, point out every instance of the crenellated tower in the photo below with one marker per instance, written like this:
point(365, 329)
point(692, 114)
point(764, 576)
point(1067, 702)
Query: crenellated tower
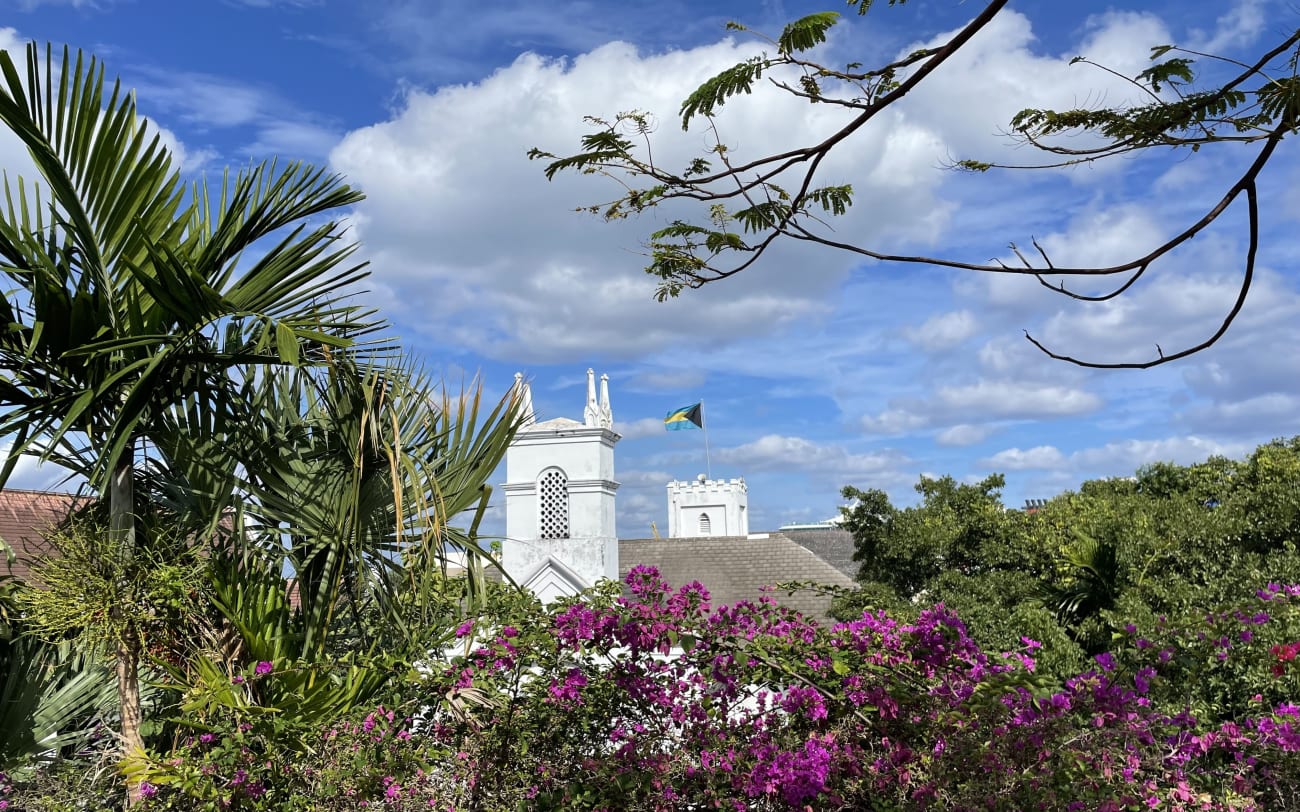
point(708, 507)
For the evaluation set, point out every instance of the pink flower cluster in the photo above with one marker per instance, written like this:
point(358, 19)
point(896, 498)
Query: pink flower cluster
point(751, 706)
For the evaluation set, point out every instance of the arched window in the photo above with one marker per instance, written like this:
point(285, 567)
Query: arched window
point(553, 504)
point(706, 526)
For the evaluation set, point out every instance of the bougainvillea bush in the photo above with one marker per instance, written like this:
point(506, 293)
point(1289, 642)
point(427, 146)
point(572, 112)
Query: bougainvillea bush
point(659, 701)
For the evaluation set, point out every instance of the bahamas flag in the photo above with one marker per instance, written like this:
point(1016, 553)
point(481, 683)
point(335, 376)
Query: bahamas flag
point(687, 417)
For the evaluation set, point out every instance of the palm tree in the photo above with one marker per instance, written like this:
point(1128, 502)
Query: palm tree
point(135, 294)
point(360, 481)
point(1094, 583)
point(365, 473)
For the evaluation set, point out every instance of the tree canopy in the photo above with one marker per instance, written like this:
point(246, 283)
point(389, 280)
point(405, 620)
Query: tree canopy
point(1171, 542)
point(739, 208)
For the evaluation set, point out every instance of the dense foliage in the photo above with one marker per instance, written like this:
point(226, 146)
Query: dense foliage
point(1171, 542)
point(658, 701)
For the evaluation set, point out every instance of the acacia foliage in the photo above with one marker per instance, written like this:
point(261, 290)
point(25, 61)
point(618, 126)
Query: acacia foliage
point(1170, 542)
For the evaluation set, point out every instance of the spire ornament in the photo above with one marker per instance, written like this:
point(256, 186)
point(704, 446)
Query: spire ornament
point(591, 414)
point(524, 396)
point(606, 415)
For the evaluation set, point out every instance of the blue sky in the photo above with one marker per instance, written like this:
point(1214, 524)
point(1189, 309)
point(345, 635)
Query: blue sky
point(817, 370)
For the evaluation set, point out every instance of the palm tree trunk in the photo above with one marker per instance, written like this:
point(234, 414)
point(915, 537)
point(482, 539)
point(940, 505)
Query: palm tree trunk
point(121, 527)
point(128, 693)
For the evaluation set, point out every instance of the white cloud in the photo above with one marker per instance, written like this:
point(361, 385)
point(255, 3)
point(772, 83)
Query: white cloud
point(492, 247)
point(643, 427)
point(1016, 399)
point(976, 93)
point(33, 475)
point(970, 410)
point(893, 421)
point(944, 331)
point(1015, 459)
point(16, 161)
point(205, 103)
point(1126, 456)
point(665, 380)
point(1277, 412)
point(481, 252)
point(828, 461)
point(280, 3)
point(1118, 458)
point(645, 479)
point(1238, 28)
point(29, 5)
point(963, 434)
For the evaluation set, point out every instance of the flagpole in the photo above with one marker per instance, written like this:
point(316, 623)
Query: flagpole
point(708, 467)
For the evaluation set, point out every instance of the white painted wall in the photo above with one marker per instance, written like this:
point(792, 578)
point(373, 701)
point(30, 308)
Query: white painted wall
point(724, 501)
point(585, 453)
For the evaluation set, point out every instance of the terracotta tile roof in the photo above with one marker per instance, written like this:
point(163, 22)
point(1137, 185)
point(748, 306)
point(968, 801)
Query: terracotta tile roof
point(24, 516)
point(736, 568)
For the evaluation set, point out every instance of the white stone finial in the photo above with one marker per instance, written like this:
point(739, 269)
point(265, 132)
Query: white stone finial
point(525, 394)
point(591, 414)
point(606, 414)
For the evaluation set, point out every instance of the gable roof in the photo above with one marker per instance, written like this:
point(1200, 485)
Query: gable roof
point(736, 568)
point(24, 516)
point(834, 545)
point(552, 579)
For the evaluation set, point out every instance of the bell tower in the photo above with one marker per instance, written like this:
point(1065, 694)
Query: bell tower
point(560, 521)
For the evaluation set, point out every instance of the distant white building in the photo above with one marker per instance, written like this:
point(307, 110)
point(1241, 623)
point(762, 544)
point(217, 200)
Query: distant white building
point(561, 535)
point(708, 507)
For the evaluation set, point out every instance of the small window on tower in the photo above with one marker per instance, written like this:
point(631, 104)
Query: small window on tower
point(706, 526)
point(553, 505)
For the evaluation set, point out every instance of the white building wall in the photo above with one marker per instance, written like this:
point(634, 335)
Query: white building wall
point(725, 503)
point(584, 452)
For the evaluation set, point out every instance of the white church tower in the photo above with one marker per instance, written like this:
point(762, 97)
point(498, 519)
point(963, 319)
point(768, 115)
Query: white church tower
point(560, 531)
point(708, 507)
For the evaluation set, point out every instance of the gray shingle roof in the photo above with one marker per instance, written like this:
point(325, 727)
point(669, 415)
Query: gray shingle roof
point(736, 568)
point(832, 545)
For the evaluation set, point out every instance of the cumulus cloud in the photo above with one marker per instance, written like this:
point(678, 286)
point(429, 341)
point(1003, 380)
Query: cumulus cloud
point(1015, 459)
point(944, 331)
point(963, 434)
point(31, 474)
point(1126, 456)
point(1273, 414)
point(973, 406)
point(893, 421)
point(16, 161)
point(665, 380)
point(829, 463)
point(30, 5)
point(1016, 399)
point(642, 427)
point(1047, 469)
point(1237, 28)
point(490, 247)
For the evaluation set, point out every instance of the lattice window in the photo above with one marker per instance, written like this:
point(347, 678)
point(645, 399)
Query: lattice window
point(706, 526)
point(553, 504)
